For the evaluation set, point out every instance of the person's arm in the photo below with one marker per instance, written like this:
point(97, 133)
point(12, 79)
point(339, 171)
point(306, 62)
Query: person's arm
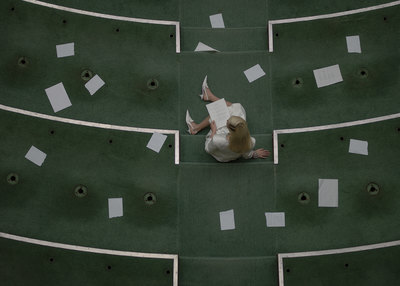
point(259, 153)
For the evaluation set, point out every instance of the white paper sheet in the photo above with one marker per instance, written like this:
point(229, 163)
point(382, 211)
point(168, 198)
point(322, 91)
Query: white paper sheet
point(254, 73)
point(217, 21)
point(328, 193)
point(156, 142)
point(115, 207)
point(227, 220)
point(218, 112)
point(276, 219)
point(58, 97)
point(201, 47)
point(353, 44)
point(36, 156)
point(65, 50)
point(327, 76)
point(358, 147)
point(94, 84)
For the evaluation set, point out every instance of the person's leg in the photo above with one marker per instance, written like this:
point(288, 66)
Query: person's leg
point(212, 97)
point(198, 127)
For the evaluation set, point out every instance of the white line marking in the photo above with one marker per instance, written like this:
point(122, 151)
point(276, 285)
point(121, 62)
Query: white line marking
point(327, 127)
point(329, 252)
point(324, 16)
point(97, 125)
point(174, 257)
point(113, 17)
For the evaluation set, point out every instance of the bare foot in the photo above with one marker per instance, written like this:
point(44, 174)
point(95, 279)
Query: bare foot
point(194, 128)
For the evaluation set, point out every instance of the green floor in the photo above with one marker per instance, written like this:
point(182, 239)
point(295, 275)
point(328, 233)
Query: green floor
point(185, 218)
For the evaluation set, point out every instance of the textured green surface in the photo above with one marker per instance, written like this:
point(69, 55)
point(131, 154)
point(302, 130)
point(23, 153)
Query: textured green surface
point(322, 43)
point(24, 264)
point(117, 57)
point(43, 204)
point(373, 267)
point(360, 218)
point(185, 218)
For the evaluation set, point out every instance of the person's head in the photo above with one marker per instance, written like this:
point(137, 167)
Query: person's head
point(239, 135)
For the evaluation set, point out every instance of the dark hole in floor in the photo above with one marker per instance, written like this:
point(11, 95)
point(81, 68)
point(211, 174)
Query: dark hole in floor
point(23, 62)
point(282, 145)
point(303, 198)
point(362, 72)
point(64, 21)
point(12, 178)
point(110, 141)
point(12, 9)
point(288, 270)
point(168, 272)
point(346, 265)
point(51, 259)
point(52, 132)
point(80, 191)
point(297, 81)
point(341, 138)
point(170, 146)
point(171, 36)
point(277, 34)
point(108, 267)
point(150, 198)
point(117, 30)
point(384, 18)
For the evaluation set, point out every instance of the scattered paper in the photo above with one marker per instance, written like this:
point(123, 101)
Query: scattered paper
point(58, 97)
point(227, 220)
point(65, 50)
point(327, 76)
point(94, 84)
point(358, 147)
point(328, 194)
point(353, 44)
point(204, 48)
point(254, 73)
point(115, 208)
point(217, 21)
point(156, 142)
point(275, 219)
point(218, 112)
point(36, 156)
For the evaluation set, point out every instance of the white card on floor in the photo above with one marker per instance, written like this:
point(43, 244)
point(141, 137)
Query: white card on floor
point(227, 220)
point(254, 73)
point(94, 84)
point(327, 76)
point(201, 47)
point(35, 156)
point(58, 97)
point(217, 21)
point(328, 193)
point(353, 44)
point(358, 147)
point(218, 112)
point(275, 219)
point(115, 208)
point(156, 142)
point(65, 50)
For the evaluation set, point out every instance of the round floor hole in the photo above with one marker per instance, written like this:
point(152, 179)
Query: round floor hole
point(363, 73)
point(117, 30)
point(12, 9)
point(51, 259)
point(168, 272)
point(170, 145)
point(109, 267)
point(150, 198)
point(346, 265)
point(297, 82)
point(80, 191)
point(282, 145)
point(303, 198)
point(341, 138)
point(23, 62)
point(288, 270)
point(152, 84)
point(86, 75)
point(12, 178)
point(110, 141)
point(52, 132)
point(384, 18)
point(277, 35)
point(171, 36)
point(373, 189)
point(64, 21)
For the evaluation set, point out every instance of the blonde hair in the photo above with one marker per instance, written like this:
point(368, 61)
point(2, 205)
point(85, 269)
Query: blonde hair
point(239, 138)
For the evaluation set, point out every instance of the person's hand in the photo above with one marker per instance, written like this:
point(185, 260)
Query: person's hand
point(261, 153)
point(213, 127)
